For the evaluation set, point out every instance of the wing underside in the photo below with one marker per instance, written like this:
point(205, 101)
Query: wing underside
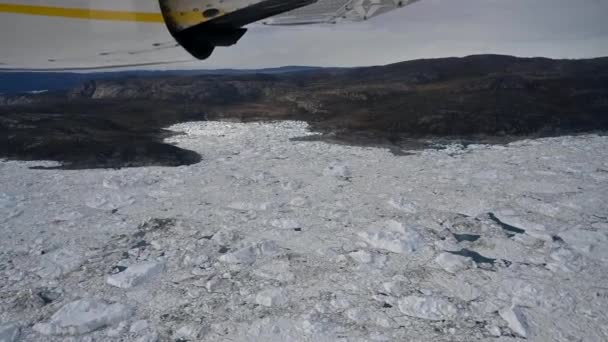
point(335, 11)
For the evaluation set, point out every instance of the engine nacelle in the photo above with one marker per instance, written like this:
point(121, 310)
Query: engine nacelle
point(201, 25)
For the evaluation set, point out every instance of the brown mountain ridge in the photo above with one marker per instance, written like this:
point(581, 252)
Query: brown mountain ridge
point(472, 98)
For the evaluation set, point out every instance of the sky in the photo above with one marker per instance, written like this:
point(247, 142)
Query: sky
point(432, 29)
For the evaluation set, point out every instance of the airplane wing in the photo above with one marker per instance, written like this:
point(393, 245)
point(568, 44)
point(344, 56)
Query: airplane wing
point(93, 34)
point(335, 11)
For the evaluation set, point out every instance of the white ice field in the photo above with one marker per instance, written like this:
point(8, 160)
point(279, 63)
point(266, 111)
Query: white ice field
point(272, 239)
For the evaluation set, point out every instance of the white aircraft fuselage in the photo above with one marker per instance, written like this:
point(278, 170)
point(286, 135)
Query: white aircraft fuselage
point(93, 34)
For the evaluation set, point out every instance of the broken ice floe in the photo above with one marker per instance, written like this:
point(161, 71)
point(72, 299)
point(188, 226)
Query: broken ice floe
point(393, 236)
point(588, 242)
point(272, 297)
point(363, 257)
point(189, 332)
point(516, 320)
point(279, 270)
point(135, 275)
point(247, 206)
point(59, 262)
point(7, 201)
point(285, 223)
point(454, 263)
point(427, 307)
point(139, 326)
point(9, 332)
point(338, 170)
point(68, 216)
point(83, 316)
point(109, 201)
point(300, 202)
point(402, 203)
point(249, 253)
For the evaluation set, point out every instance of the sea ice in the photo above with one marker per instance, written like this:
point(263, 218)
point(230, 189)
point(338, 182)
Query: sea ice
point(394, 237)
point(83, 316)
point(139, 326)
point(9, 332)
point(427, 307)
point(272, 297)
point(516, 320)
point(285, 223)
point(60, 262)
point(402, 203)
point(135, 275)
point(339, 170)
point(453, 263)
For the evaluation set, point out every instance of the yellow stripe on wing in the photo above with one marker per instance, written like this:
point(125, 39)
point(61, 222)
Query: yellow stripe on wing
point(82, 13)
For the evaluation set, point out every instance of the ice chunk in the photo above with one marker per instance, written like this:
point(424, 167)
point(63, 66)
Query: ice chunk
point(516, 320)
point(9, 332)
point(358, 315)
point(396, 288)
point(299, 201)
point(148, 337)
point(403, 204)
point(394, 237)
point(428, 307)
point(246, 255)
point(511, 219)
point(338, 170)
point(68, 216)
point(135, 275)
point(117, 330)
point(109, 201)
point(246, 206)
point(83, 316)
point(362, 257)
point(190, 332)
point(225, 237)
point(277, 270)
point(272, 297)
point(285, 224)
point(139, 326)
point(494, 331)
point(60, 262)
point(587, 242)
point(7, 201)
point(217, 284)
point(453, 263)
point(250, 253)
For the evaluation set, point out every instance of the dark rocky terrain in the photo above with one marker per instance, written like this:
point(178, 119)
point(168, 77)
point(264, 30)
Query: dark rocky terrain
point(118, 122)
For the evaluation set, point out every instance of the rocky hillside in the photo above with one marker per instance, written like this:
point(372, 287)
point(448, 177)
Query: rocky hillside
point(477, 95)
